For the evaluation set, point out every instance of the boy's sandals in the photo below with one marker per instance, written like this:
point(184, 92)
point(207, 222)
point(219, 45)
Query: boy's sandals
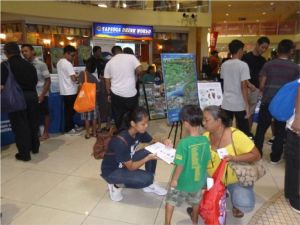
point(237, 213)
point(189, 211)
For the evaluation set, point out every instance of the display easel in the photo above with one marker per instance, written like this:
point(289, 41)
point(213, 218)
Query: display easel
point(176, 124)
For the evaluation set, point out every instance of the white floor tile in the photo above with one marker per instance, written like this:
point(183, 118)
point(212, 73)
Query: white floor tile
point(9, 171)
point(37, 215)
point(75, 194)
point(100, 221)
point(90, 169)
point(30, 185)
point(11, 209)
point(137, 207)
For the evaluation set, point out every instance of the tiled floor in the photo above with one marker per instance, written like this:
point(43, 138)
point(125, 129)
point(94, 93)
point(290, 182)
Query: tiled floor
point(61, 185)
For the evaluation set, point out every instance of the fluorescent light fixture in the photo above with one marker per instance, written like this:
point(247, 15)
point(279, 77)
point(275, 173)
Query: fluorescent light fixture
point(2, 36)
point(101, 5)
point(177, 6)
point(124, 5)
point(70, 38)
point(264, 13)
point(227, 14)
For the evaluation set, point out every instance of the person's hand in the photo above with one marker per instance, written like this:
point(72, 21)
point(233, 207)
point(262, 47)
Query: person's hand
point(247, 112)
point(296, 126)
point(229, 158)
point(173, 183)
point(151, 157)
point(41, 98)
point(168, 143)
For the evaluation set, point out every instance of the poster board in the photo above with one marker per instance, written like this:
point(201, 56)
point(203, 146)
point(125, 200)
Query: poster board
point(153, 99)
point(209, 93)
point(84, 52)
point(180, 80)
point(37, 48)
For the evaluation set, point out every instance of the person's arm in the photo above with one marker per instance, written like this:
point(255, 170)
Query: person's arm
point(134, 165)
point(139, 71)
point(251, 156)
point(296, 124)
point(107, 86)
point(175, 176)
point(244, 86)
point(45, 89)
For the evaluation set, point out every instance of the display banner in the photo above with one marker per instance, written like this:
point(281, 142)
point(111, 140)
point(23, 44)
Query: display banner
point(123, 31)
point(209, 93)
point(213, 40)
point(180, 80)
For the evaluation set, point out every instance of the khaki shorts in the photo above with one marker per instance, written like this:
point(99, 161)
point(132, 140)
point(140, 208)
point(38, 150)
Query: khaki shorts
point(252, 99)
point(176, 197)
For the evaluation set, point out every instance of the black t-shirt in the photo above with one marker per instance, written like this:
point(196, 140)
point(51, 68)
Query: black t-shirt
point(122, 152)
point(24, 72)
point(255, 64)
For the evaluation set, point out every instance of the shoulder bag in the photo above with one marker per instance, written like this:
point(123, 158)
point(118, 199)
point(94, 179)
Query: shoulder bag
point(12, 97)
point(247, 172)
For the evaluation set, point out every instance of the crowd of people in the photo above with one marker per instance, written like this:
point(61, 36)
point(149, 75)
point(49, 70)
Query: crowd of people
point(247, 79)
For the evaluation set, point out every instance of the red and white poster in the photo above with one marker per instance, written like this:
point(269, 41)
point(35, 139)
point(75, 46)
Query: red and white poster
point(213, 40)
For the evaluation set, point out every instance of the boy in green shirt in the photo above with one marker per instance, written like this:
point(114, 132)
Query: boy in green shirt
point(191, 159)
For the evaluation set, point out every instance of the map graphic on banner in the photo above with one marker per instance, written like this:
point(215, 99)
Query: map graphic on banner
point(209, 93)
point(180, 80)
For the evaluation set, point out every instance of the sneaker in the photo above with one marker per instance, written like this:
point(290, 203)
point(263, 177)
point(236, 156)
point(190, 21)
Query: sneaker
point(270, 141)
point(73, 132)
point(78, 128)
point(115, 193)
point(273, 162)
point(295, 210)
point(154, 188)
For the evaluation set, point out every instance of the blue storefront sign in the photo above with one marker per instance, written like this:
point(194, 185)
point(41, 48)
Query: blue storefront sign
point(123, 31)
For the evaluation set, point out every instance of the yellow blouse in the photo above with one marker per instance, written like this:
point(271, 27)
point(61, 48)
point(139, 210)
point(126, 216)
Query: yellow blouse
point(242, 143)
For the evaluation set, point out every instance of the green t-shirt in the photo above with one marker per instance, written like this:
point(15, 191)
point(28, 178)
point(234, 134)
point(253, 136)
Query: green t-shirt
point(192, 154)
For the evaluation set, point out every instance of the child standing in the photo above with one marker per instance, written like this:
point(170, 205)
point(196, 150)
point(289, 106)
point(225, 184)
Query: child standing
point(92, 115)
point(191, 159)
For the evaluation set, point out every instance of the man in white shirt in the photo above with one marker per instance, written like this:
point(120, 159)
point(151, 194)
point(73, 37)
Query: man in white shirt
point(68, 86)
point(235, 74)
point(120, 83)
point(42, 87)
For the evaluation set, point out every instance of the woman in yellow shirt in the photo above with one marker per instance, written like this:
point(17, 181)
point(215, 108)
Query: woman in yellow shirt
point(221, 134)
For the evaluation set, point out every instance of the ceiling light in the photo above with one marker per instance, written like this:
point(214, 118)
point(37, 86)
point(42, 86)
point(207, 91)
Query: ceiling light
point(225, 21)
point(227, 14)
point(2, 36)
point(101, 5)
point(264, 13)
point(229, 5)
point(298, 12)
point(124, 5)
point(271, 3)
point(257, 20)
point(177, 6)
point(70, 38)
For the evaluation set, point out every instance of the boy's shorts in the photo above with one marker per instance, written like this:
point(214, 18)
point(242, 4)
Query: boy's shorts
point(176, 198)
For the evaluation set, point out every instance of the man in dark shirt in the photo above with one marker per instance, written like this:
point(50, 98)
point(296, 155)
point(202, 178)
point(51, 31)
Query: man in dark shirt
point(25, 123)
point(255, 62)
point(273, 76)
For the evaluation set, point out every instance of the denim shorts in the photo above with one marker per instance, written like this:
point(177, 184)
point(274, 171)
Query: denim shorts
point(176, 198)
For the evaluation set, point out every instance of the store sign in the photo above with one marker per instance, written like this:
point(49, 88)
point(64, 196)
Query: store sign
point(123, 31)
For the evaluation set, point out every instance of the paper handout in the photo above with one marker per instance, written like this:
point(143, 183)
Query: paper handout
point(162, 151)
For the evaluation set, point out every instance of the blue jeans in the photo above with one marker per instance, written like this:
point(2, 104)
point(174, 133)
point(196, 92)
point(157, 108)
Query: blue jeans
point(137, 178)
point(242, 198)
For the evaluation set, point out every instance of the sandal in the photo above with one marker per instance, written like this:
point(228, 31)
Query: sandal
point(87, 136)
point(237, 213)
point(189, 211)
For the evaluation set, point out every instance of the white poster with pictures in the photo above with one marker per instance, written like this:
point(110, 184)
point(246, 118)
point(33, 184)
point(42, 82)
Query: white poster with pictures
point(209, 93)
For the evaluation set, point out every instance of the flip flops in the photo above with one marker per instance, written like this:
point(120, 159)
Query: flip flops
point(237, 213)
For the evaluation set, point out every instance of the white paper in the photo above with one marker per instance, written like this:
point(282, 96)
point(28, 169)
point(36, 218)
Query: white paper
point(209, 182)
point(209, 93)
point(162, 151)
point(222, 152)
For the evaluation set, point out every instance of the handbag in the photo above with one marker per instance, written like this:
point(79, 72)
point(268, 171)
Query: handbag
point(12, 96)
point(86, 98)
point(212, 206)
point(247, 172)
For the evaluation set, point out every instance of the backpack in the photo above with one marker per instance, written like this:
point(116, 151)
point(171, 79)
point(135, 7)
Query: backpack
point(101, 146)
point(12, 97)
point(282, 104)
